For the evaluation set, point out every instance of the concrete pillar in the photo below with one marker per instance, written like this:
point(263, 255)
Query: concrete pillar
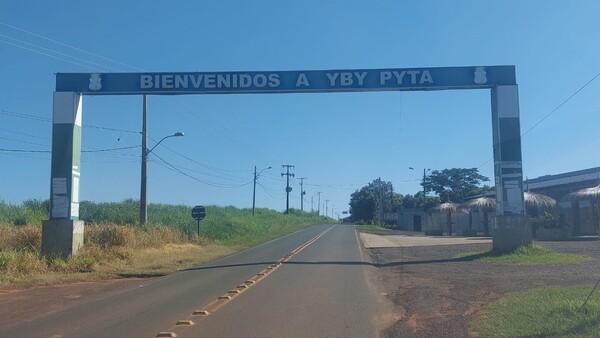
point(512, 228)
point(62, 235)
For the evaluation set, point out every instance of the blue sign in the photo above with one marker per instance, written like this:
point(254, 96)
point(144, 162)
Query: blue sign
point(198, 212)
point(312, 81)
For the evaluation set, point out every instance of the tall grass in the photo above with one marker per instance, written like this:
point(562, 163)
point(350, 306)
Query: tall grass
point(113, 236)
point(30, 212)
point(224, 225)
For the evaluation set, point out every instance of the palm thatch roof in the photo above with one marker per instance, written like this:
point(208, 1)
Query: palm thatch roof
point(447, 207)
point(538, 200)
point(481, 203)
point(587, 193)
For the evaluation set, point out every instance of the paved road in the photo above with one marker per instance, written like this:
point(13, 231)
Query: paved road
point(320, 290)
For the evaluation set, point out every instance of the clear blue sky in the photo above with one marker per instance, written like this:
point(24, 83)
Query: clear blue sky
point(338, 141)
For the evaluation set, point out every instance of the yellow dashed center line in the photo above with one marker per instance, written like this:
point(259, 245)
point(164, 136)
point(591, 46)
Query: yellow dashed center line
point(235, 292)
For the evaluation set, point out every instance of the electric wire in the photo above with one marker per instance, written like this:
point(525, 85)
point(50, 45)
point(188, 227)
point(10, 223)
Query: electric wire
point(25, 142)
point(69, 46)
point(219, 170)
point(25, 134)
point(24, 150)
point(109, 149)
point(39, 118)
point(53, 51)
point(44, 119)
point(25, 116)
point(216, 185)
point(553, 111)
point(268, 193)
point(46, 54)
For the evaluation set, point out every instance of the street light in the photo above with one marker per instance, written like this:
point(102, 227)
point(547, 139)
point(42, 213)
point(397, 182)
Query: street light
point(144, 184)
point(254, 190)
point(425, 171)
point(177, 134)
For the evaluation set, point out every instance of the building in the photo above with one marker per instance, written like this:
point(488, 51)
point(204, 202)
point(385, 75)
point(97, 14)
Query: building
point(581, 216)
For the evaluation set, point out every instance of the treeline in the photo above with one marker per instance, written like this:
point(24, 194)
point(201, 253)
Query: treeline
point(369, 203)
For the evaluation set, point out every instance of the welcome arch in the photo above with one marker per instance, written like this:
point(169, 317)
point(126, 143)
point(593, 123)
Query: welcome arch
point(63, 232)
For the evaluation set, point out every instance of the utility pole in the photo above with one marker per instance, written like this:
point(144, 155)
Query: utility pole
point(145, 153)
point(326, 208)
point(424, 178)
point(288, 189)
point(144, 184)
point(424, 173)
point(311, 204)
point(302, 193)
point(319, 204)
point(254, 190)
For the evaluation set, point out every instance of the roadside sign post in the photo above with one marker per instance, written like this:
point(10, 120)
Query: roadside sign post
point(198, 213)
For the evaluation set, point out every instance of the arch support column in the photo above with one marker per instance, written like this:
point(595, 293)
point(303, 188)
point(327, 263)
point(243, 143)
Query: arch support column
point(62, 234)
point(512, 228)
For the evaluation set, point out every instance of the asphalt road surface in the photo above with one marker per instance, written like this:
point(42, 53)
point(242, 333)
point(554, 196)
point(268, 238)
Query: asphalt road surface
point(312, 283)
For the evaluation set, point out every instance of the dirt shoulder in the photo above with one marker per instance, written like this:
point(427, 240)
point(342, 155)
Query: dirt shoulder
point(19, 304)
point(438, 295)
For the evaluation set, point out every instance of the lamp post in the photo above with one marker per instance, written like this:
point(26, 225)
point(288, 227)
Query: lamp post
point(254, 190)
point(144, 184)
point(425, 171)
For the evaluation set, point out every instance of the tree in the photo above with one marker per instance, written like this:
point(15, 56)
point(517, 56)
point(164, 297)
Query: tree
point(373, 200)
point(455, 184)
point(417, 201)
point(362, 205)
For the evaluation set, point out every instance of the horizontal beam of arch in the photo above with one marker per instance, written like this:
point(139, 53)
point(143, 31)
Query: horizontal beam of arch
point(308, 81)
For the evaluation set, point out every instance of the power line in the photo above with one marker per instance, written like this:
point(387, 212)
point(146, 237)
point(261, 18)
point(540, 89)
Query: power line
point(112, 129)
point(562, 104)
point(69, 46)
point(48, 151)
point(46, 54)
point(25, 134)
point(24, 150)
point(268, 193)
point(45, 119)
point(25, 116)
point(221, 171)
point(21, 141)
point(24, 156)
point(109, 149)
point(216, 185)
point(552, 112)
point(53, 51)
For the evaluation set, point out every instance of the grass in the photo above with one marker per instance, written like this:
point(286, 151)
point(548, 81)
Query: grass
point(542, 312)
point(525, 255)
point(114, 248)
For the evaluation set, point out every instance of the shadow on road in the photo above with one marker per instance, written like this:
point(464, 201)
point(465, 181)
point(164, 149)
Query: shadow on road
point(349, 263)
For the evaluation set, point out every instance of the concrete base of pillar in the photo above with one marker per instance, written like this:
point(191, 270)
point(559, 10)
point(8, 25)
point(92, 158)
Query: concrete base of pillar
point(511, 232)
point(61, 237)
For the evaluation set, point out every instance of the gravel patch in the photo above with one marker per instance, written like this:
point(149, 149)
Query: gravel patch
point(437, 295)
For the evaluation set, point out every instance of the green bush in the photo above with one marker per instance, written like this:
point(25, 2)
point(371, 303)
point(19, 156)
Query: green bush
point(545, 221)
